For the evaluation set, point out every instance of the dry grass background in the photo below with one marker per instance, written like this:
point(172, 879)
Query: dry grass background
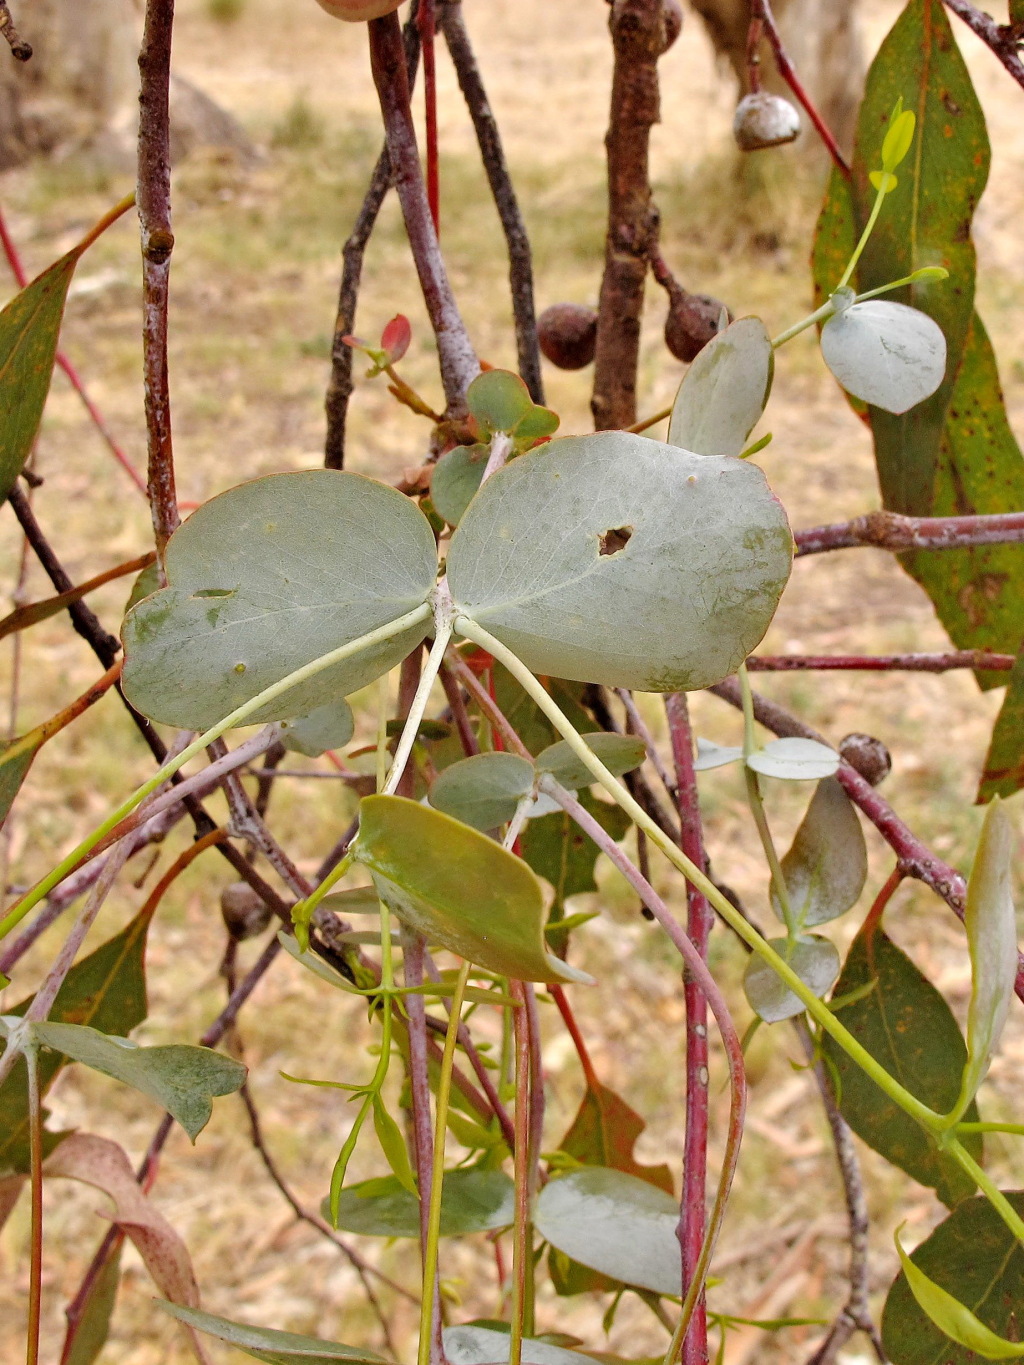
point(254, 281)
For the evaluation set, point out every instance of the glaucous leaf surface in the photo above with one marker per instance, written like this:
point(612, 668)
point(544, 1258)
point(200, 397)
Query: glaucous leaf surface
point(618, 560)
point(616, 1224)
point(455, 479)
point(973, 1256)
point(619, 753)
point(711, 755)
point(795, 760)
point(473, 1345)
point(499, 400)
point(991, 923)
point(815, 961)
point(907, 1026)
point(458, 888)
point(270, 576)
point(886, 354)
point(264, 1343)
point(827, 864)
point(472, 1200)
point(724, 392)
point(484, 790)
point(183, 1079)
point(326, 727)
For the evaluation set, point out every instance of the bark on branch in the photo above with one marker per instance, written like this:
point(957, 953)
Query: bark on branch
point(892, 531)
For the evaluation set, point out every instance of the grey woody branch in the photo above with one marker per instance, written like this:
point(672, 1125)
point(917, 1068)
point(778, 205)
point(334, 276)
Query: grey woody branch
point(881, 663)
point(893, 531)
point(19, 48)
point(1004, 40)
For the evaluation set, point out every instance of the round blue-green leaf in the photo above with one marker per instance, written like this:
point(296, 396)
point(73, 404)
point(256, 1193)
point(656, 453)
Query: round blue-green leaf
point(458, 888)
point(619, 754)
point(455, 479)
point(499, 400)
point(815, 961)
point(724, 392)
point(472, 1200)
point(614, 1223)
point(327, 727)
point(484, 790)
point(885, 353)
point(827, 864)
point(618, 560)
point(473, 1345)
point(795, 760)
point(268, 577)
point(267, 1344)
point(711, 755)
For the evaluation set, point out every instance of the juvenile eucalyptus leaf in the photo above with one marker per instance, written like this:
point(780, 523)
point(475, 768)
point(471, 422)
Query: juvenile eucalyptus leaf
point(885, 353)
point(270, 576)
point(815, 961)
point(827, 864)
point(355, 900)
point(455, 479)
point(392, 1144)
point(458, 888)
point(973, 1257)
point(615, 559)
point(616, 1224)
point(484, 790)
point(327, 727)
point(470, 1344)
point(711, 755)
point(538, 424)
point(619, 753)
point(181, 1078)
point(264, 1343)
point(724, 392)
point(795, 760)
point(499, 400)
point(990, 920)
point(473, 1199)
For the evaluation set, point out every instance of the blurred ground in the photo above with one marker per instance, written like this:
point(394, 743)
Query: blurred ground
point(254, 282)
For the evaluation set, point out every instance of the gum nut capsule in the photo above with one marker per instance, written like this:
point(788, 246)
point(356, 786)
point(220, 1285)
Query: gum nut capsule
point(673, 14)
point(868, 755)
point(764, 120)
point(567, 333)
point(355, 10)
point(693, 319)
point(245, 913)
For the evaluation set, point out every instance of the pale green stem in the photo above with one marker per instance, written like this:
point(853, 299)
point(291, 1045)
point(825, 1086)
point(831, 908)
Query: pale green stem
point(515, 825)
point(859, 248)
point(237, 717)
point(1014, 1129)
point(989, 1189)
point(887, 288)
point(444, 1085)
point(815, 1007)
point(757, 809)
point(419, 705)
point(826, 310)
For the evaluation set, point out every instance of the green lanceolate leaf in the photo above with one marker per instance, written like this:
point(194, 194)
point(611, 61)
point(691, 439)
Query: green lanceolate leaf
point(885, 353)
point(15, 760)
point(264, 1343)
point(827, 864)
point(87, 1335)
point(616, 1224)
point(268, 577)
point(1004, 762)
point(558, 850)
point(724, 392)
point(484, 790)
point(29, 332)
point(499, 400)
point(619, 753)
point(615, 559)
point(471, 1344)
point(473, 1199)
point(991, 923)
point(392, 1144)
point(181, 1078)
point(815, 961)
point(795, 760)
point(973, 1258)
point(455, 479)
point(327, 727)
point(459, 888)
point(906, 1025)
point(107, 990)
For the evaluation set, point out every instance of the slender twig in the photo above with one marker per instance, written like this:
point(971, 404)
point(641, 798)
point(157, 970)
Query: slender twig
point(453, 26)
point(487, 705)
point(521, 1238)
point(893, 531)
point(20, 50)
point(1000, 39)
point(154, 196)
point(569, 1019)
point(458, 362)
point(30, 613)
point(35, 1139)
point(453, 692)
point(881, 663)
point(339, 387)
point(426, 22)
point(698, 925)
point(640, 727)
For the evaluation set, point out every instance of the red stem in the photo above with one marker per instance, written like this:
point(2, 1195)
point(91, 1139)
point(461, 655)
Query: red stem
point(521, 1310)
point(569, 1019)
point(693, 1212)
point(881, 663)
point(882, 899)
point(425, 18)
point(35, 1138)
point(893, 531)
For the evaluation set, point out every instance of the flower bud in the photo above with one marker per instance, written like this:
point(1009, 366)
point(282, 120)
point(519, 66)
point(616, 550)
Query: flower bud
point(355, 10)
point(567, 333)
point(764, 120)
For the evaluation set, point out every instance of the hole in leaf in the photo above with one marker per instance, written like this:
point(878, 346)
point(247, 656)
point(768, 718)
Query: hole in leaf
point(215, 592)
point(615, 539)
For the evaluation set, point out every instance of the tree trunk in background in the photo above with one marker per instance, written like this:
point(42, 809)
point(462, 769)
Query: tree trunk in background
point(823, 42)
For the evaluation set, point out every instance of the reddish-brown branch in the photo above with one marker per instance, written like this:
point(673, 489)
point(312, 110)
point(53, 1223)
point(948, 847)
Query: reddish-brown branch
point(573, 1028)
point(761, 14)
point(20, 50)
point(893, 531)
point(638, 39)
point(881, 663)
point(458, 362)
point(999, 38)
point(154, 198)
point(915, 858)
point(425, 18)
